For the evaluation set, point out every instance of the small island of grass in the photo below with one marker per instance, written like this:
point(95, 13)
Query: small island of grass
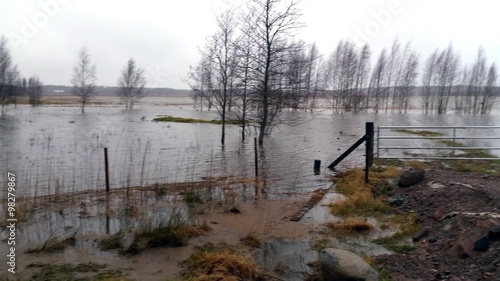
point(192, 120)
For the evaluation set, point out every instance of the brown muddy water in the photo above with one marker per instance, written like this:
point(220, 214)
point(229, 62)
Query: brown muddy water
point(57, 156)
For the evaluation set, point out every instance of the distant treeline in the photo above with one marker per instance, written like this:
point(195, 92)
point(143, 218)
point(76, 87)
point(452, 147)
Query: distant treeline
point(53, 90)
point(348, 79)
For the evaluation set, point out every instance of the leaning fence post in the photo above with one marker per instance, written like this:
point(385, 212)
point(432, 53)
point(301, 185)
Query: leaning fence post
point(369, 136)
point(106, 168)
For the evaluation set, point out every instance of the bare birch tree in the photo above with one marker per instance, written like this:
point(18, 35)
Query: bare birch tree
point(34, 90)
point(131, 84)
point(84, 77)
point(490, 90)
point(378, 82)
point(270, 24)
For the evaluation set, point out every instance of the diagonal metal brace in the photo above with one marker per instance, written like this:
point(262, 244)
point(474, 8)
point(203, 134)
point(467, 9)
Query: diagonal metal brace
point(346, 153)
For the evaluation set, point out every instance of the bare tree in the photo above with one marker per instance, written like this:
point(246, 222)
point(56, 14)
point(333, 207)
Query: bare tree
point(477, 83)
point(393, 74)
point(407, 80)
point(270, 24)
point(215, 77)
point(8, 76)
point(131, 84)
point(244, 103)
point(378, 81)
point(34, 90)
point(362, 74)
point(490, 90)
point(427, 83)
point(84, 77)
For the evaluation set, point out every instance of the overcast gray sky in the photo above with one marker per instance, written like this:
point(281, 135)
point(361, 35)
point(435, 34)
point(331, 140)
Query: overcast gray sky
point(164, 36)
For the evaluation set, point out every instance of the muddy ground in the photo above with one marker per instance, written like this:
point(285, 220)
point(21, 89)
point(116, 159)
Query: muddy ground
point(456, 210)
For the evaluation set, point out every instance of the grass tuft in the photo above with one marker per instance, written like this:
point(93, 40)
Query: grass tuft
point(360, 200)
point(172, 231)
point(221, 262)
point(350, 226)
point(113, 242)
point(54, 245)
point(251, 240)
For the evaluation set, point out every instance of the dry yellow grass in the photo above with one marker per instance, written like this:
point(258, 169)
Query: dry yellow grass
point(221, 263)
point(360, 200)
point(350, 225)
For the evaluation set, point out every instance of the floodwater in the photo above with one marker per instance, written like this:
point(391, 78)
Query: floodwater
point(57, 149)
point(53, 150)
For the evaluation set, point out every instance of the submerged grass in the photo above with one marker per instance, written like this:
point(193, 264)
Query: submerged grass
point(491, 167)
point(54, 245)
point(80, 272)
point(172, 231)
point(421, 133)
point(192, 120)
point(221, 262)
point(365, 200)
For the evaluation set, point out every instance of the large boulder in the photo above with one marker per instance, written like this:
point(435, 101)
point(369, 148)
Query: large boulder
point(340, 265)
point(410, 176)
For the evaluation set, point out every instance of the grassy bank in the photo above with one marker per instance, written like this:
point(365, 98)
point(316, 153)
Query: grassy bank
point(192, 120)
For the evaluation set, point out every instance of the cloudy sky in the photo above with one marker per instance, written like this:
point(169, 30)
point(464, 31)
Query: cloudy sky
point(164, 36)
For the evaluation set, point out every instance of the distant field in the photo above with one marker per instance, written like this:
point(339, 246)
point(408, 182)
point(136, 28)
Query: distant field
point(107, 100)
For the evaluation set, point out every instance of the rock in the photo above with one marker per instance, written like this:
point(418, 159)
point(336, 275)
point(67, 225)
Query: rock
point(422, 234)
point(435, 185)
point(396, 201)
point(482, 245)
point(439, 213)
point(494, 233)
point(410, 176)
point(461, 251)
point(343, 265)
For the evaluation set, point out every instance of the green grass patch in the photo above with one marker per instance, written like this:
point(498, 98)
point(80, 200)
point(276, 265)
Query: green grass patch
point(396, 243)
point(192, 120)
point(491, 167)
point(408, 225)
point(420, 133)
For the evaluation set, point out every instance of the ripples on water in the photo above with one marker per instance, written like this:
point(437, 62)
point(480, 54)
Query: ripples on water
point(56, 149)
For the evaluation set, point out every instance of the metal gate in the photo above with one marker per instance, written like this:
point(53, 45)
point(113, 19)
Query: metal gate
point(454, 134)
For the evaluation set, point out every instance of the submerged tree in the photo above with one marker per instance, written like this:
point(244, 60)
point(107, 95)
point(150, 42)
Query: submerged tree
point(270, 24)
point(9, 78)
point(84, 77)
point(34, 90)
point(131, 84)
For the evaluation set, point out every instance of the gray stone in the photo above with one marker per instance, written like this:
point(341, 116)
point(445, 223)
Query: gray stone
point(422, 234)
point(410, 176)
point(482, 245)
point(494, 233)
point(341, 265)
point(396, 201)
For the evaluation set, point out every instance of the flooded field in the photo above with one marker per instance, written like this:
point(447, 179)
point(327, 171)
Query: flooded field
point(57, 155)
point(56, 149)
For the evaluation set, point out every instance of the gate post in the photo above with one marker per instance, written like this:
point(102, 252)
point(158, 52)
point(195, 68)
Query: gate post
point(369, 138)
